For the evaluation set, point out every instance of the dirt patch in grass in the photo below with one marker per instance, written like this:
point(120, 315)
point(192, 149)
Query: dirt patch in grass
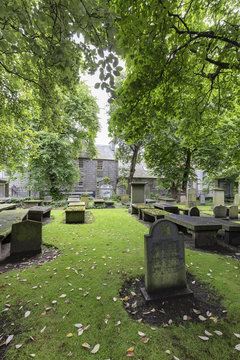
point(48, 253)
point(178, 311)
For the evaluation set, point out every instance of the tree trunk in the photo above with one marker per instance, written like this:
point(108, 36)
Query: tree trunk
point(186, 170)
point(174, 191)
point(135, 149)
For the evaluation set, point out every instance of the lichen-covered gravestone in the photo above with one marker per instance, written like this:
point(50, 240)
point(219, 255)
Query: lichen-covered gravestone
point(236, 200)
point(233, 212)
point(26, 238)
point(191, 198)
point(137, 193)
point(218, 196)
point(220, 211)
point(165, 274)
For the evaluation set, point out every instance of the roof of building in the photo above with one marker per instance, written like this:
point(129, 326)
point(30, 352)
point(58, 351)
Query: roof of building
point(105, 152)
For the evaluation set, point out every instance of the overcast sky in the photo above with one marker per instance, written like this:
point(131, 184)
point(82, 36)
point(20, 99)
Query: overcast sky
point(102, 101)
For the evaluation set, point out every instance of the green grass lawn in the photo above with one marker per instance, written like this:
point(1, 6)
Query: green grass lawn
point(82, 286)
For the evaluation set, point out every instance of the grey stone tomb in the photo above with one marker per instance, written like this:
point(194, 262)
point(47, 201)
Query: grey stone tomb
point(137, 192)
point(220, 211)
point(164, 257)
point(233, 212)
point(191, 198)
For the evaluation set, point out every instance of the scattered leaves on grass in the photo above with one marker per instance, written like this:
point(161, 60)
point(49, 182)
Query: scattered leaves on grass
point(237, 347)
point(63, 296)
point(86, 345)
point(114, 299)
point(237, 335)
point(145, 340)
point(95, 349)
point(18, 346)
point(69, 335)
point(141, 334)
point(202, 318)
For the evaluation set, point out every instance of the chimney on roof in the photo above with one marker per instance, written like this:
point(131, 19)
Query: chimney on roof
point(112, 146)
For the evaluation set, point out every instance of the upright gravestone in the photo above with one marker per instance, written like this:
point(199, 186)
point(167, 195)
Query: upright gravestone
point(220, 211)
point(137, 193)
point(106, 191)
point(236, 200)
point(218, 196)
point(193, 211)
point(191, 198)
point(202, 199)
point(165, 274)
point(233, 212)
point(125, 198)
point(182, 198)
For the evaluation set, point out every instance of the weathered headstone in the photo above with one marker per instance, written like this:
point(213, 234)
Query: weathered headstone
point(218, 196)
point(137, 193)
point(202, 199)
point(26, 237)
point(84, 198)
point(236, 200)
point(125, 198)
point(106, 191)
point(191, 198)
point(165, 274)
point(182, 198)
point(233, 212)
point(220, 211)
point(194, 211)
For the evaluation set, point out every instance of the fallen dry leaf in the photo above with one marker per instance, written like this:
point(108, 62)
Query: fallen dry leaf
point(130, 352)
point(208, 333)
point(63, 296)
point(18, 346)
point(69, 335)
point(141, 334)
point(43, 313)
point(219, 333)
point(9, 338)
point(205, 338)
point(202, 318)
point(237, 335)
point(27, 313)
point(86, 345)
point(168, 352)
point(237, 347)
point(145, 340)
point(95, 349)
point(43, 329)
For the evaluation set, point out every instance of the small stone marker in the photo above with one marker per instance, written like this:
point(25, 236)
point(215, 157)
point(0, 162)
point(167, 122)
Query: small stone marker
point(218, 196)
point(182, 198)
point(220, 211)
point(137, 193)
point(202, 199)
point(194, 211)
point(233, 212)
point(125, 198)
point(165, 274)
point(191, 198)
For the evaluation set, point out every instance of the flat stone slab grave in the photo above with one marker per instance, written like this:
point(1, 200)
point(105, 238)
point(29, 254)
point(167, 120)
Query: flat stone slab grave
point(152, 215)
point(164, 259)
point(167, 200)
point(167, 207)
point(30, 203)
point(37, 213)
point(109, 203)
point(76, 203)
point(204, 229)
point(75, 215)
point(232, 231)
point(7, 219)
point(98, 202)
point(136, 207)
point(7, 207)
